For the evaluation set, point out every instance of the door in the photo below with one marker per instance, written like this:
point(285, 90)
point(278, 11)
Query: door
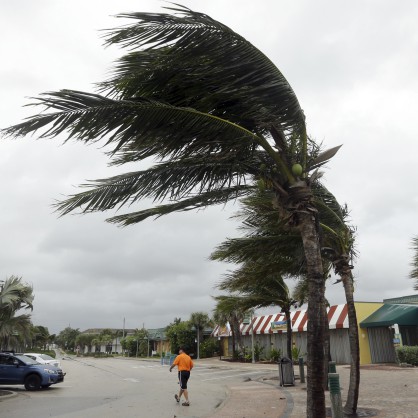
point(382, 349)
point(11, 370)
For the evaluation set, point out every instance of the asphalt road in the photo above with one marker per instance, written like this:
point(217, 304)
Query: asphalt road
point(123, 388)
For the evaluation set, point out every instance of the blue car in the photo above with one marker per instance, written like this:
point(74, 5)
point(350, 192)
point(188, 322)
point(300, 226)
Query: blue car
point(17, 369)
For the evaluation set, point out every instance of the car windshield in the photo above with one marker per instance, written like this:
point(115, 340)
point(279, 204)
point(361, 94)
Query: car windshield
point(46, 357)
point(26, 359)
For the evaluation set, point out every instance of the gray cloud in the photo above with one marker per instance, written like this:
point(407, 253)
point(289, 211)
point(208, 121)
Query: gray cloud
point(353, 66)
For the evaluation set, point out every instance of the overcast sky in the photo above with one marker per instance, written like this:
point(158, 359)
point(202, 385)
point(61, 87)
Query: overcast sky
point(354, 68)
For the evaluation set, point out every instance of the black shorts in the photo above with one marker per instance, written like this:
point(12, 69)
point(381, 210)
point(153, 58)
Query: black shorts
point(183, 378)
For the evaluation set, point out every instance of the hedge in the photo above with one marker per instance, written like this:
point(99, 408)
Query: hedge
point(408, 354)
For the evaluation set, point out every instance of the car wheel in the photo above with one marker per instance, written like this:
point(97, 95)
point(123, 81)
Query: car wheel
point(33, 382)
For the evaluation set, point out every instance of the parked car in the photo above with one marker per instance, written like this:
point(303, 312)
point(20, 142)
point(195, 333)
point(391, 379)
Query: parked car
point(43, 359)
point(18, 369)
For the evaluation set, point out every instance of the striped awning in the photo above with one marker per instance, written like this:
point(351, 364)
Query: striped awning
point(223, 331)
point(337, 317)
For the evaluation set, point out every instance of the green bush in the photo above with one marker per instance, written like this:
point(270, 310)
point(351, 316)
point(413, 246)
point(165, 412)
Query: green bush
point(208, 347)
point(408, 354)
point(258, 351)
point(275, 354)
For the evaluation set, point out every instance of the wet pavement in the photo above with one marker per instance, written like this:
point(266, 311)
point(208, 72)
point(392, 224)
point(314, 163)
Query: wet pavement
point(386, 391)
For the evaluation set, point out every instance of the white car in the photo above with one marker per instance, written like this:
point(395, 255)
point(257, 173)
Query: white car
point(44, 359)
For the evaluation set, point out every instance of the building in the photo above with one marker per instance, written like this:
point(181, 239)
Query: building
point(376, 338)
point(394, 323)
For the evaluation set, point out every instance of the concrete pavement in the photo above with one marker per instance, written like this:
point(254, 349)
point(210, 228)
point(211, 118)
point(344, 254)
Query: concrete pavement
point(386, 391)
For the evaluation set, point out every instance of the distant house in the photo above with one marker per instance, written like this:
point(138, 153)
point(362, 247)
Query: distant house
point(115, 347)
point(157, 340)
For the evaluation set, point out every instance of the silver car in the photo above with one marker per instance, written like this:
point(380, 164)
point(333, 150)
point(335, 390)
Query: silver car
point(44, 359)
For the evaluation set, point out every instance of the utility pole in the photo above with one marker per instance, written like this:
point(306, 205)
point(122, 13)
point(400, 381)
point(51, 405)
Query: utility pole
point(252, 339)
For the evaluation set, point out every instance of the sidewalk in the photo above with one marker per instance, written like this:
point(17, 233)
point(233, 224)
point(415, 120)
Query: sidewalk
point(386, 391)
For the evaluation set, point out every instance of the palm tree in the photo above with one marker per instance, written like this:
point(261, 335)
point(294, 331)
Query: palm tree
point(215, 114)
point(199, 320)
point(271, 290)
point(14, 296)
point(414, 273)
point(261, 274)
point(40, 336)
point(229, 310)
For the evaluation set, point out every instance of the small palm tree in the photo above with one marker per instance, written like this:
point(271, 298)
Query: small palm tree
point(229, 310)
point(199, 320)
point(14, 296)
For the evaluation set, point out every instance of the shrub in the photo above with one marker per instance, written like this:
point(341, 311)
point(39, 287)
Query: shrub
point(408, 354)
point(275, 354)
point(208, 347)
point(258, 351)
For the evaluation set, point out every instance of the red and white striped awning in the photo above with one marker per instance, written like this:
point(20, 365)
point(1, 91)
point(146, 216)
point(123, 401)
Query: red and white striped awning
point(223, 331)
point(337, 317)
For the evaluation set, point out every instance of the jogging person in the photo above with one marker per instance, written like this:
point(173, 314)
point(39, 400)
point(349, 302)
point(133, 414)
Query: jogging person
point(184, 364)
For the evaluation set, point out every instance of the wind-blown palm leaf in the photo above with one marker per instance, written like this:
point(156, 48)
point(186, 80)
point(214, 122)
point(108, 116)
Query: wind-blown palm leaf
point(165, 181)
point(323, 157)
point(193, 60)
point(199, 201)
point(152, 128)
point(15, 295)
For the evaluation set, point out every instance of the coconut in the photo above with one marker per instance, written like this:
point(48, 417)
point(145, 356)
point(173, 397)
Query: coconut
point(297, 170)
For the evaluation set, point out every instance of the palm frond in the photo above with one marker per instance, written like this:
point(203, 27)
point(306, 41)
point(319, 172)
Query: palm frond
point(214, 179)
point(220, 196)
point(190, 59)
point(152, 128)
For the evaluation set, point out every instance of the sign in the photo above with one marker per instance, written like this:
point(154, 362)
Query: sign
point(278, 325)
point(247, 319)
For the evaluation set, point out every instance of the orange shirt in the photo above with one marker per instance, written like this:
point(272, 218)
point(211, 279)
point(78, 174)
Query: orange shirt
point(183, 362)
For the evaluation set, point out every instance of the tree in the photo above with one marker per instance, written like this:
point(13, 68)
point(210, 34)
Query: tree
point(338, 248)
point(414, 273)
point(229, 309)
point(40, 336)
point(260, 278)
point(180, 334)
point(259, 281)
point(215, 114)
point(272, 290)
point(66, 339)
point(85, 340)
point(137, 344)
point(199, 320)
point(14, 296)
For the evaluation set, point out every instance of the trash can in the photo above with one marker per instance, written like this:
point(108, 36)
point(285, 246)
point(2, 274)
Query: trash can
point(286, 374)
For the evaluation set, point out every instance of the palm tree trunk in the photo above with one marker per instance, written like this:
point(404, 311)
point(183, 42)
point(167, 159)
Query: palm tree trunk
point(316, 324)
point(354, 386)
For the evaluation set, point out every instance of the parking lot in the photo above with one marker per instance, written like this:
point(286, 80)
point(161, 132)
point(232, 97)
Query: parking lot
point(121, 387)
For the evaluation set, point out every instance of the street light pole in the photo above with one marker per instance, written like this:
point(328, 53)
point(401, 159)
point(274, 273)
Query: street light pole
point(252, 339)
